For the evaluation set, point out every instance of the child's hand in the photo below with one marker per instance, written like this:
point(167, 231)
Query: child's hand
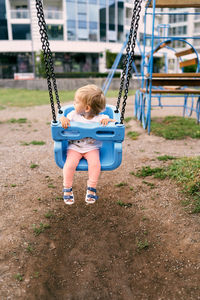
point(105, 121)
point(65, 122)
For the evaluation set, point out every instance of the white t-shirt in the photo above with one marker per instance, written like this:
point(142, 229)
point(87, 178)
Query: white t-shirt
point(86, 144)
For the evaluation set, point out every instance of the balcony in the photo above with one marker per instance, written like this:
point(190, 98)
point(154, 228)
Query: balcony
point(53, 14)
point(129, 1)
point(19, 14)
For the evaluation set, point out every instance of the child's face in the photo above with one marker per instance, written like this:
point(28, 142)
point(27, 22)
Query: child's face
point(79, 106)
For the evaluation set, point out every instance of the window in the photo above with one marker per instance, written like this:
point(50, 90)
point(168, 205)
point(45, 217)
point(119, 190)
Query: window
point(21, 32)
point(82, 8)
point(82, 24)
point(93, 25)
point(102, 19)
point(3, 21)
point(71, 24)
point(93, 15)
point(71, 34)
point(120, 20)
point(55, 32)
point(111, 15)
point(82, 17)
point(71, 11)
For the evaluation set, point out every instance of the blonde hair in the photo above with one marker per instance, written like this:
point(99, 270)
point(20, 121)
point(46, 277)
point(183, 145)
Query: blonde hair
point(93, 96)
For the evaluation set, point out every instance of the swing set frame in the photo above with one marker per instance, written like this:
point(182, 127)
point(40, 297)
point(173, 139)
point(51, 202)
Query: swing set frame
point(112, 135)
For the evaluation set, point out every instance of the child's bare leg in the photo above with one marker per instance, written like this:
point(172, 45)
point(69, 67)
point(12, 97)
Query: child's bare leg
point(73, 158)
point(94, 168)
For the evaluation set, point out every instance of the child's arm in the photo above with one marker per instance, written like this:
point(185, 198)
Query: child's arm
point(65, 122)
point(105, 121)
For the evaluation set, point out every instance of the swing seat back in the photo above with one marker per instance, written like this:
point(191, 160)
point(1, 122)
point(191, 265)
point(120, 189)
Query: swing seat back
point(111, 136)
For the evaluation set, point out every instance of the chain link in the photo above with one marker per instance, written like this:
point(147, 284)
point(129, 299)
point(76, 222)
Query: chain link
point(131, 60)
point(128, 60)
point(48, 59)
point(127, 56)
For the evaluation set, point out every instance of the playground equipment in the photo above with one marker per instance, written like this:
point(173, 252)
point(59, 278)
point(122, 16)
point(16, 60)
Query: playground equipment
point(167, 85)
point(111, 135)
point(113, 69)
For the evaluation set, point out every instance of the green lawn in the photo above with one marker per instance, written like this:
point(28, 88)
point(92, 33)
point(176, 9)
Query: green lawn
point(185, 171)
point(23, 98)
point(175, 128)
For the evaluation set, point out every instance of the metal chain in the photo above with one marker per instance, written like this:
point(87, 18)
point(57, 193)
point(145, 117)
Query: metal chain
point(127, 54)
point(49, 66)
point(131, 60)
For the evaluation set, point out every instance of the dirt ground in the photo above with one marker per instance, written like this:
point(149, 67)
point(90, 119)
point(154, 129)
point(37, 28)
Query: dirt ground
point(148, 251)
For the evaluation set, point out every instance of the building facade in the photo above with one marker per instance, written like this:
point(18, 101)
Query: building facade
point(80, 31)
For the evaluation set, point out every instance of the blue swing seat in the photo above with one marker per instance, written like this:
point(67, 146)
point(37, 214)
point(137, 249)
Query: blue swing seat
point(111, 136)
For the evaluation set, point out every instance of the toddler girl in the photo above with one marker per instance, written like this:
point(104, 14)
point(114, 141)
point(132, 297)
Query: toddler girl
point(89, 102)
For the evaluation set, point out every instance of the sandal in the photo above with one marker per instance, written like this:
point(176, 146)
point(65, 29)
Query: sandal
point(68, 199)
point(90, 198)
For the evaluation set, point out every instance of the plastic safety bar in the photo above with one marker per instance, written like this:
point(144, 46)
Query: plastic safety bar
point(77, 131)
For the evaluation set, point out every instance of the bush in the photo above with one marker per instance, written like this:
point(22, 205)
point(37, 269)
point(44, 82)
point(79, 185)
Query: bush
point(84, 75)
point(189, 69)
point(110, 58)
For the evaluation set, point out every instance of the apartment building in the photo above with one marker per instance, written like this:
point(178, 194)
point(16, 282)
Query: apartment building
point(80, 33)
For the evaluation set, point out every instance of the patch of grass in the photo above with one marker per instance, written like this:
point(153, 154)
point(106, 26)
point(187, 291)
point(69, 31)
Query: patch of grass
point(173, 127)
point(40, 229)
point(133, 135)
point(121, 184)
point(128, 119)
point(151, 185)
point(186, 171)
point(142, 245)
point(24, 143)
point(141, 150)
point(35, 143)
point(122, 204)
point(185, 202)
point(51, 186)
point(18, 277)
point(148, 171)
point(29, 248)
point(40, 143)
point(24, 98)
point(19, 121)
point(196, 208)
point(33, 166)
point(165, 157)
point(48, 215)
point(36, 274)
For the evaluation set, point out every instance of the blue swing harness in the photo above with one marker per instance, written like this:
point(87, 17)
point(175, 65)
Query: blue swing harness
point(111, 136)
